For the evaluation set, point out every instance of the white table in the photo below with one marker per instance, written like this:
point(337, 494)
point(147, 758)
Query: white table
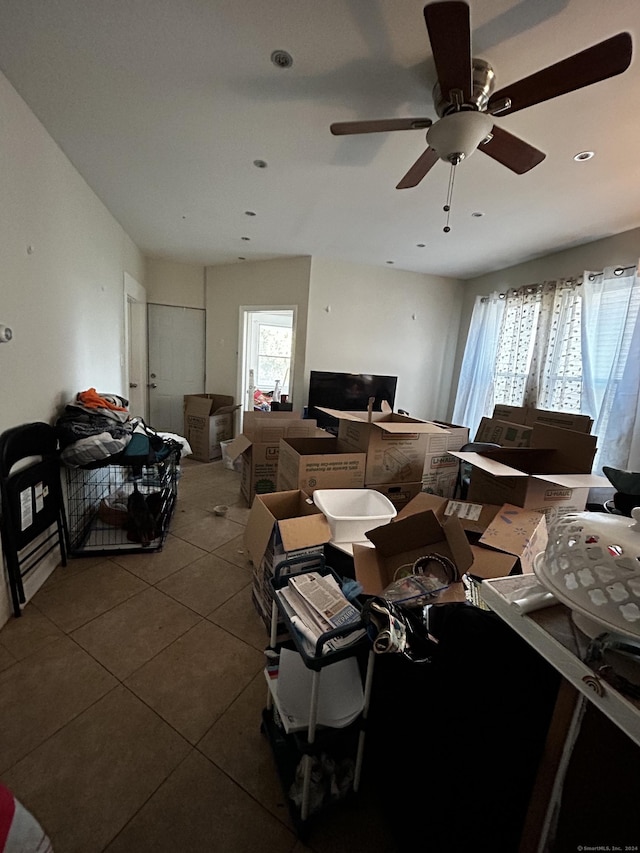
point(552, 633)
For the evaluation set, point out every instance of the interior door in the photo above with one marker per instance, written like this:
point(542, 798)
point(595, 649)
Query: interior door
point(176, 363)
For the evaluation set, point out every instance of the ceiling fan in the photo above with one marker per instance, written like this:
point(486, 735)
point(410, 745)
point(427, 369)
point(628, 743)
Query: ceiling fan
point(465, 100)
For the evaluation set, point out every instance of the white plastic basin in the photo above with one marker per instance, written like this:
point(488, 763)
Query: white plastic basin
point(352, 512)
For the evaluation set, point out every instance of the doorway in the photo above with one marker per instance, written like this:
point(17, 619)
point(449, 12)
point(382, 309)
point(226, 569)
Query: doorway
point(135, 333)
point(267, 336)
point(176, 363)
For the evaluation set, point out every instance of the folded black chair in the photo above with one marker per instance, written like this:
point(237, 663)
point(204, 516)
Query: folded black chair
point(32, 517)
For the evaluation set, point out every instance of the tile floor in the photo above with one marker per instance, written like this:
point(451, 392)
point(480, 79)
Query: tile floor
point(130, 697)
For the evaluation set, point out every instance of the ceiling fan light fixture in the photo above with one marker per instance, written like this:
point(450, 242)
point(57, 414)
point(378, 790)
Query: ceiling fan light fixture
point(457, 135)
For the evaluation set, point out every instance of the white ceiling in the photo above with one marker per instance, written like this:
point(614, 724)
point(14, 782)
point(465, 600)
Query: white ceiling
point(164, 105)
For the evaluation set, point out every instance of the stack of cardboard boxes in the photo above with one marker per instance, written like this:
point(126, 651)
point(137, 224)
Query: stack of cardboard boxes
point(404, 455)
point(497, 531)
point(258, 448)
point(544, 462)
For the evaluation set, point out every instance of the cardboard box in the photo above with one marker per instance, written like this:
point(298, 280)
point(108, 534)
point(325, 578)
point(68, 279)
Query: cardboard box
point(319, 463)
point(208, 420)
point(504, 539)
point(509, 538)
point(401, 542)
point(258, 447)
point(395, 445)
point(456, 435)
point(440, 474)
point(529, 415)
point(551, 475)
point(281, 526)
point(504, 433)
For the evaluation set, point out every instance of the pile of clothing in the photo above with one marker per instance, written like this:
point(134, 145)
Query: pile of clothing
point(97, 429)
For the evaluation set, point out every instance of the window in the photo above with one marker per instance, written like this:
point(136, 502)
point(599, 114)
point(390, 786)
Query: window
point(273, 356)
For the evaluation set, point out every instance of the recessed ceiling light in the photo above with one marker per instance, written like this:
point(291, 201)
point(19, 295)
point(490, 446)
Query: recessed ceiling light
point(249, 213)
point(260, 164)
point(421, 245)
point(245, 238)
point(477, 214)
point(282, 59)
point(584, 155)
point(241, 259)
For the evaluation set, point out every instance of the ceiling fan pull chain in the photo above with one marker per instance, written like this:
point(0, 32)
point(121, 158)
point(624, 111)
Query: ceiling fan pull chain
point(447, 207)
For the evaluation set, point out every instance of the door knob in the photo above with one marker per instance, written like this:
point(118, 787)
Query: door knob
point(152, 385)
point(133, 385)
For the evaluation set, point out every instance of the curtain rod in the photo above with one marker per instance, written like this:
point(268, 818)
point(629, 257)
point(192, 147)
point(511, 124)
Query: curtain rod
point(577, 280)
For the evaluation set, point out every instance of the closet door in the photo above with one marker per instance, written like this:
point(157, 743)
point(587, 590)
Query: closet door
point(176, 363)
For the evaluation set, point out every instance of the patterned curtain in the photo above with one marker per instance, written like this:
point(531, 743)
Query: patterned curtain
point(538, 361)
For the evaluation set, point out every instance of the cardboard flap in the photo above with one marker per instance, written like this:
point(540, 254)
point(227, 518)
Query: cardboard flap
point(224, 410)
point(573, 451)
point(390, 422)
point(474, 517)
point(514, 414)
point(458, 543)
point(567, 420)
point(303, 532)
point(199, 406)
point(238, 446)
point(491, 564)
point(488, 464)
point(514, 528)
point(258, 531)
point(204, 405)
point(412, 532)
point(420, 503)
point(418, 532)
point(576, 481)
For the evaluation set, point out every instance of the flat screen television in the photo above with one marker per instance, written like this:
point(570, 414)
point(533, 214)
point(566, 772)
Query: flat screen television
point(349, 392)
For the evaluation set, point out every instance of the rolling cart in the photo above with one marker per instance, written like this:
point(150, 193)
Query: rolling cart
point(296, 743)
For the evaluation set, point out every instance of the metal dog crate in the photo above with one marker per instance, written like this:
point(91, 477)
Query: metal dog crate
point(97, 499)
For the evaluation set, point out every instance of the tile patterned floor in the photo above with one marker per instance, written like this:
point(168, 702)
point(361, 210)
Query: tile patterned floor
point(130, 697)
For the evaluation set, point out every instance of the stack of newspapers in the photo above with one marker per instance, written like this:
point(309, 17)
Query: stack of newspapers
point(315, 604)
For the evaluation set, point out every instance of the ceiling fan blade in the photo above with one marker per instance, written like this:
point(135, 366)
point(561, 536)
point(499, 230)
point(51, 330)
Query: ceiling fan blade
point(450, 36)
point(342, 128)
point(419, 169)
point(512, 152)
point(603, 60)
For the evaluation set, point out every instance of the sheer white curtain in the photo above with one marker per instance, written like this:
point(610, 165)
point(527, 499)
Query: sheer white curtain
point(475, 396)
point(611, 364)
point(561, 345)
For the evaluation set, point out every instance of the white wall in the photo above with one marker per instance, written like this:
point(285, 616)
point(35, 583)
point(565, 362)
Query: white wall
point(370, 328)
point(618, 250)
point(260, 284)
point(171, 283)
point(62, 264)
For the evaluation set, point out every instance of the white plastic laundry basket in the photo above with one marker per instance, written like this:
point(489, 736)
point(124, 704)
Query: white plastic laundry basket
point(352, 512)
